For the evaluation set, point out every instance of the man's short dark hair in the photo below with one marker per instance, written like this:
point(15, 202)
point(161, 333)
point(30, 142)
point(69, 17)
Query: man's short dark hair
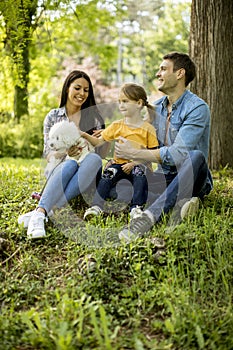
point(182, 60)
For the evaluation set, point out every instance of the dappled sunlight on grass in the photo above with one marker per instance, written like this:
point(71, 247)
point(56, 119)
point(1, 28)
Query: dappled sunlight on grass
point(63, 292)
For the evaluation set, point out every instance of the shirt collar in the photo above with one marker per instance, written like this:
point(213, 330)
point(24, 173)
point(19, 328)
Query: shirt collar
point(177, 103)
point(62, 111)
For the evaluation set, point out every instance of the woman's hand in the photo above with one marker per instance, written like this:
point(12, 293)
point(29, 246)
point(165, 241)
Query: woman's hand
point(74, 151)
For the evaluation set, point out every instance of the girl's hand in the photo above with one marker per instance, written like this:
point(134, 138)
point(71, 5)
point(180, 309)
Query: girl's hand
point(97, 133)
point(83, 134)
point(109, 163)
point(128, 167)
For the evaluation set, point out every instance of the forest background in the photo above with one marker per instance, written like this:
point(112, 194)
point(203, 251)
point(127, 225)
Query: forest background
point(113, 41)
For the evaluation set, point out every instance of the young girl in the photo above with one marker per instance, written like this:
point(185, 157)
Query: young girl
point(132, 99)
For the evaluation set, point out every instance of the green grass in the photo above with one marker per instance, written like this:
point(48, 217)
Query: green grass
point(52, 298)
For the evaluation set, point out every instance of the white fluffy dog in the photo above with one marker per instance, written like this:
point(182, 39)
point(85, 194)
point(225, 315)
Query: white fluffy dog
point(62, 136)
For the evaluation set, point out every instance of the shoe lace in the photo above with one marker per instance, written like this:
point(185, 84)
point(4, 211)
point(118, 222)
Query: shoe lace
point(38, 222)
point(140, 224)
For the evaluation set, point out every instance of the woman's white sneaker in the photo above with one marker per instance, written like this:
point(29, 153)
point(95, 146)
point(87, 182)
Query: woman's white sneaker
point(36, 226)
point(25, 218)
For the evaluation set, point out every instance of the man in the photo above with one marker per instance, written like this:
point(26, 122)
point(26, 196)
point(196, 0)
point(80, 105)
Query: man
point(183, 127)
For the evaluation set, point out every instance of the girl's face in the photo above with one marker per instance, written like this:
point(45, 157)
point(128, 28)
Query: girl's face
point(127, 107)
point(78, 92)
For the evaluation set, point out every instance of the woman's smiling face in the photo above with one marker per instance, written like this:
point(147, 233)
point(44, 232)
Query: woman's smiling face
point(78, 92)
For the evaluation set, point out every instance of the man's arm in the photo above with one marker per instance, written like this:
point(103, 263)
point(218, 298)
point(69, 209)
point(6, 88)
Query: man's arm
point(192, 134)
point(125, 150)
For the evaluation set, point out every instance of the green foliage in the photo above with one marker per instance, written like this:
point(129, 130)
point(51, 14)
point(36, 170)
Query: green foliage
point(64, 35)
point(63, 29)
point(59, 293)
point(21, 140)
point(172, 34)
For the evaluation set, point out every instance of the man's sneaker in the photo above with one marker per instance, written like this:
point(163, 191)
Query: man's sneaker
point(184, 208)
point(36, 225)
point(92, 212)
point(190, 208)
point(136, 212)
point(25, 218)
point(136, 228)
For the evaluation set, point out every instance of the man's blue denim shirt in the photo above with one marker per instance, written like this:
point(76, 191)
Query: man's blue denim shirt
point(189, 129)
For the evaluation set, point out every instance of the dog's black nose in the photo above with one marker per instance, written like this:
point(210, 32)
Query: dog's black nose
point(51, 145)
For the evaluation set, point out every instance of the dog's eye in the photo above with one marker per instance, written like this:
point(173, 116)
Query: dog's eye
point(57, 138)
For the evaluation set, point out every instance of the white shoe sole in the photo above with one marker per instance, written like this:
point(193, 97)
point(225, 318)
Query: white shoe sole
point(36, 235)
point(126, 236)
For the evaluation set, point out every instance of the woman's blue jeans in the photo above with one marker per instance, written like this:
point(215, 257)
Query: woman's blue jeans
point(69, 180)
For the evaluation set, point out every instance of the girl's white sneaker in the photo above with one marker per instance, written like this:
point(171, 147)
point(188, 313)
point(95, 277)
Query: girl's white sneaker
point(92, 212)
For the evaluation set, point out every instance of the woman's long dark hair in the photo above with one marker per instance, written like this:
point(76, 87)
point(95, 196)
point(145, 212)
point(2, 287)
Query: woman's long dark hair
point(89, 111)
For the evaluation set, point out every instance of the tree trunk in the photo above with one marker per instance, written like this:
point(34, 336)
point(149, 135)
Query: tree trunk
point(211, 47)
point(20, 102)
point(21, 91)
point(18, 16)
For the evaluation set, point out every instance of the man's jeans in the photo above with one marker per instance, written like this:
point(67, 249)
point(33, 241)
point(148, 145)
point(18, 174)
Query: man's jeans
point(69, 180)
point(193, 179)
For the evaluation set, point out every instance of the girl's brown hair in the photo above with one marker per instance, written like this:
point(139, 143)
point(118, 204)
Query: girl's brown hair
point(136, 92)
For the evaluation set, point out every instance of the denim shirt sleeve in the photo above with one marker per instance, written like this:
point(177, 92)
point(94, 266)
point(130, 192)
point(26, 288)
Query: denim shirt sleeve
point(189, 130)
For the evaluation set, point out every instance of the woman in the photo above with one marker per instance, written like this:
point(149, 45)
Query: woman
point(69, 179)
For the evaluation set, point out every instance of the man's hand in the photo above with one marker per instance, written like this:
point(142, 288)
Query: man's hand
point(124, 149)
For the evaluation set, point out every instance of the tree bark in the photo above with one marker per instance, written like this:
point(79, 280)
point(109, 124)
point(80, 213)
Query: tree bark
point(21, 90)
point(18, 16)
point(211, 47)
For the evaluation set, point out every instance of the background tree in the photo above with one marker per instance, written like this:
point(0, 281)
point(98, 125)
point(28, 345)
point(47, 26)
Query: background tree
point(148, 30)
point(109, 39)
point(62, 26)
point(211, 47)
point(18, 20)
